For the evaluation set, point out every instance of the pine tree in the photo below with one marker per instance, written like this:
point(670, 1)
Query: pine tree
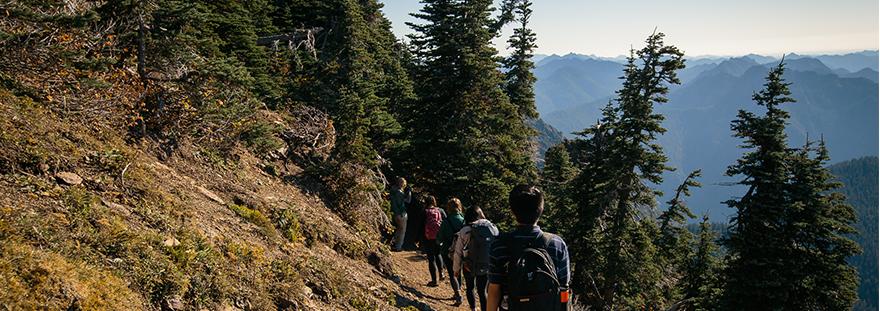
point(519, 79)
point(615, 262)
point(674, 240)
point(466, 138)
point(558, 173)
point(756, 244)
point(701, 282)
point(817, 226)
point(786, 245)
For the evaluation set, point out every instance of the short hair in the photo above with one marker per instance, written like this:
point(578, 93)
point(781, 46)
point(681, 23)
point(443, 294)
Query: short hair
point(430, 201)
point(401, 182)
point(473, 214)
point(526, 203)
point(453, 206)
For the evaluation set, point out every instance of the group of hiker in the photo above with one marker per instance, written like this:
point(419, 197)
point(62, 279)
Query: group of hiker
point(524, 269)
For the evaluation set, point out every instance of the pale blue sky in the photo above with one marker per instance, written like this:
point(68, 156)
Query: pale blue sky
point(699, 27)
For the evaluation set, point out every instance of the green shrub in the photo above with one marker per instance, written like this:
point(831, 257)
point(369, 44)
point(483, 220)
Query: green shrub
point(253, 216)
point(287, 221)
point(261, 139)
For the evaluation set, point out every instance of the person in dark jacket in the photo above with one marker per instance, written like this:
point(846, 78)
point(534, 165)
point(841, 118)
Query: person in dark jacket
point(450, 226)
point(400, 196)
point(414, 238)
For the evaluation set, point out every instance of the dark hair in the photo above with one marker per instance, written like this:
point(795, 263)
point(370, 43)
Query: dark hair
point(430, 201)
point(473, 214)
point(526, 203)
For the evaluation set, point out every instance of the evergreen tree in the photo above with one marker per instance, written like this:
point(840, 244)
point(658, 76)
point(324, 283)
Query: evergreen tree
point(786, 245)
point(558, 173)
point(357, 77)
point(614, 249)
point(466, 138)
point(674, 240)
point(817, 226)
point(519, 79)
point(756, 244)
point(701, 279)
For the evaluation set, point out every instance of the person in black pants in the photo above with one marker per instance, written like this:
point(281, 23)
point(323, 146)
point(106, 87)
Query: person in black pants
point(433, 219)
point(471, 255)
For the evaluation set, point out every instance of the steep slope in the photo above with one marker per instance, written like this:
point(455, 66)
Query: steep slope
point(191, 231)
point(548, 136)
point(155, 176)
point(859, 178)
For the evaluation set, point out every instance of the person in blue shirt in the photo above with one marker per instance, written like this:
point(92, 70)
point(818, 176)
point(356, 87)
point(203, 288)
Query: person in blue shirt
point(401, 195)
point(527, 205)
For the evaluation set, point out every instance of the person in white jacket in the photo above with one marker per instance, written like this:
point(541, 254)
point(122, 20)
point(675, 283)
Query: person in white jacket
point(471, 255)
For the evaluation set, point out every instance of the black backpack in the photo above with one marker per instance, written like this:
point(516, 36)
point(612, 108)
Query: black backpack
point(531, 276)
point(482, 235)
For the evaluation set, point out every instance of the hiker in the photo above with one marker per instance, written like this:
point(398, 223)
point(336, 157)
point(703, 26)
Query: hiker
point(539, 278)
point(452, 224)
point(471, 255)
point(415, 224)
point(433, 218)
point(399, 199)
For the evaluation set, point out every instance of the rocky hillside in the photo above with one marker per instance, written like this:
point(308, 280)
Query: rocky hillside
point(167, 187)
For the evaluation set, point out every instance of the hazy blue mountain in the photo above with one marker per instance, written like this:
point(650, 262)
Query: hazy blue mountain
point(866, 73)
point(693, 70)
point(548, 136)
point(761, 58)
point(852, 61)
point(803, 64)
point(572, 80)
point(842, 109)
point(733, 66)
point(859, 178)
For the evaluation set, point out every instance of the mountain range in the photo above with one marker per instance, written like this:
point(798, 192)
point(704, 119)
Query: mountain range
point(837, 101)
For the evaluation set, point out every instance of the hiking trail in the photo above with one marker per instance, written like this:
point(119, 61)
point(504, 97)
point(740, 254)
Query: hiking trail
point(412, 268)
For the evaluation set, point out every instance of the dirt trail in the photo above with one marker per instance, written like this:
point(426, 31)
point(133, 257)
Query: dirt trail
point(412, 268)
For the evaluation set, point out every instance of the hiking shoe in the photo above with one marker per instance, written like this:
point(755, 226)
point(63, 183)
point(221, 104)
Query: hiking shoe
point(457, 302)
point(432, 284)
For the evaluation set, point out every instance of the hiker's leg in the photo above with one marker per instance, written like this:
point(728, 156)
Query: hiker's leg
point(401, 231)
point(433, 265)
point(453, 281)
point(441, 264)
point(469, 289)
point(482, 283)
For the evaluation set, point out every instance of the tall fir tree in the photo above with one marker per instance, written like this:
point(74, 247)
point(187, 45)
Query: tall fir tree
point(466, 138)
point(818, 225)
point(615, 255)
point(786, 246)
point(674, 240)
point(556, 178)
point(701, 283)
point(756, 245)
point(519, 79)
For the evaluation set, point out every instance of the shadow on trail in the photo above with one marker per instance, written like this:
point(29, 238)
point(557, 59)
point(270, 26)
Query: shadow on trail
point(406, 302)
point(415, 258)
